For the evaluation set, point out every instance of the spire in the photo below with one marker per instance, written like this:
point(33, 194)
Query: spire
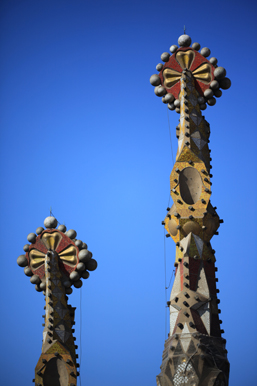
point(55, 260)
point(194, 352)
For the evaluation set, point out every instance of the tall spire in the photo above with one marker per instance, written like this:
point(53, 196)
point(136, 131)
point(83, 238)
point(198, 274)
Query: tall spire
point(194, 353)
point(55, 260)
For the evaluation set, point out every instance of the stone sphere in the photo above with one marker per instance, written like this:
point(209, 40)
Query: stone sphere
point(177, 103)
point(155, 80)
point(35, 279)
point(225, 83)
point(161, 91)
point(67, 283)
point(169, 98)
point(205, 52)
point(78, 284)
point(214, 85)
point(74, 276)
point(50, 222)
point(203, 106)
point(218, 93)
point(173, 48)
point(42, 285)
point(159, 66)
point(184, 41)
point(71, 234)
point(91, 265)
point(163, 100)
point(84, 255)
point(31, 238)
point(22, 261)
point(213, 61)
point(177, 109)
point(84, 246)
point(62, 228)
point(28, 271)
point(208, 93)
point(165, 57)
point(220, 73)
point(201, 100)
point(37, 288)
point(26, 248)
point(211, 101)
point(78, 244)
point(156, 91)
point(68, 291)
point(196, 46)
point(171, 106)
point(85, 275)
point(39, 230)
point(80, 267)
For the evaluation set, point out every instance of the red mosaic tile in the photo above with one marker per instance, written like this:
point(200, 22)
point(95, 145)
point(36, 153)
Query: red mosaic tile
point(40, 271)
point(38, 245)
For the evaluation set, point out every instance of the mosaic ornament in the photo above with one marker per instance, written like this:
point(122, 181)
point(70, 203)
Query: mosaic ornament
point(194, 353)
point(208, 78)
point(55, 260)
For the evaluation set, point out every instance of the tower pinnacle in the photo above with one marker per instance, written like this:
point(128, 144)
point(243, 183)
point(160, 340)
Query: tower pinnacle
point(194, 353)
point(55, 260)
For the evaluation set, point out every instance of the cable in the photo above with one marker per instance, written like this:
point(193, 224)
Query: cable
point(165, 282)
point(80, 344)
point(170, 279)
point(52, 215)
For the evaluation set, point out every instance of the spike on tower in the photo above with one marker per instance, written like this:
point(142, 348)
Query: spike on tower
point(55, 260)
point(194, 353)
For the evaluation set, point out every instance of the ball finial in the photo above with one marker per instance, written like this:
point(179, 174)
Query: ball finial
point(50, 222)
point(184, 41)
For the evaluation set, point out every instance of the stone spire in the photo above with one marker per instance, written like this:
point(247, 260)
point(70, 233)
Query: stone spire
point(55, 260)
point(194, 353)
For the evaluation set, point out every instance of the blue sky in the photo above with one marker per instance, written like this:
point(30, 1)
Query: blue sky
point(82, 132)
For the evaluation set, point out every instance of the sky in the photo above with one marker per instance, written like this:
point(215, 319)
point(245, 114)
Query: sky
point(83, 135)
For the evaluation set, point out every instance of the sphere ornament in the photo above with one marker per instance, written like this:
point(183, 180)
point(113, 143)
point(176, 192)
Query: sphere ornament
point(73, 255)
point(50, 222)
point(173, 48)
point(184, 41)
point(208, 78)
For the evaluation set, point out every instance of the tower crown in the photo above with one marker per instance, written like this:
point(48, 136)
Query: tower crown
point(209, 78)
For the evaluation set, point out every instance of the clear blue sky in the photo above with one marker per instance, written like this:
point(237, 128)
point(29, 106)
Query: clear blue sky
point(82, 132)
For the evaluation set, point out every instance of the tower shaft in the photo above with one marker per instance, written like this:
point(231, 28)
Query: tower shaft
point(194, 354)
point(57, 363)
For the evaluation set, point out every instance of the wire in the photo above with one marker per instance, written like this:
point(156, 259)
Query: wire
point(52, 215)
point(80, 344)
point(170, 279)
point(165, 283)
